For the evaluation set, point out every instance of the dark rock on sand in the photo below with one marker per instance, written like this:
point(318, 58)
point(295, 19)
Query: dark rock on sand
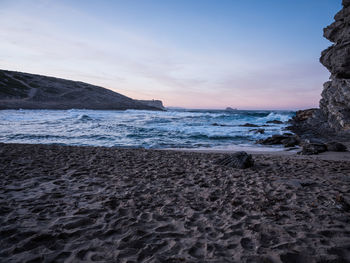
point(291, 141)
point(313, 148)
point(336, 147)
point(28, 91)
point(239, 160)
point(286, 140)
point(275, 122)
point(273, 140)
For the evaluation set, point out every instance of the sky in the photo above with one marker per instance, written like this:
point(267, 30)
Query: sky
point(246, 54)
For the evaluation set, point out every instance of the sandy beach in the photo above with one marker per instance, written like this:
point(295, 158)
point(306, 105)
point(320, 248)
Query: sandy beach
point(83, 204)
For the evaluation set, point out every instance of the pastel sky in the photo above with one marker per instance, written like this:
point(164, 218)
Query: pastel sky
point(247, 54)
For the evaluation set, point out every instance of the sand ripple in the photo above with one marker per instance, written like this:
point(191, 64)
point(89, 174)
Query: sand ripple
point(81, 204)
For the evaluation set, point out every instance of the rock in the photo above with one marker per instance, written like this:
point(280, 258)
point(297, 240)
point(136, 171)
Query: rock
point(261, 131)
point(303, 115)
point(332, 120)
point(275, 122)
point(335, 147)
point(248, 125)
point(346, 3)
point(273, 140)
point(217, 124)
point(153, 103)
point(314, 140)
point(287, 139)
point(290, 141)
point(239, 160)
point(335, 101)
point(313, 148)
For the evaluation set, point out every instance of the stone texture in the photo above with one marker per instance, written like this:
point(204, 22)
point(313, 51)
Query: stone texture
point(346, 3)
point(336, 147)
point(335, 102)
point(313, 148)
point(288, 140)
point(239, 160)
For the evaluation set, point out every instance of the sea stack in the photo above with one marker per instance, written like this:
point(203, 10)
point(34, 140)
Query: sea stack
point(335, 102)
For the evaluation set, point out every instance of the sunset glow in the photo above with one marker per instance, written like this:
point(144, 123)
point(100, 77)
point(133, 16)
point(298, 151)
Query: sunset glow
point(193, 54)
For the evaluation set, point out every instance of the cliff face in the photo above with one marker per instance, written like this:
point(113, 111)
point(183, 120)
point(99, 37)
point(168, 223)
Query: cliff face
point(29, 91)
point(335, 102)
point(153, 103)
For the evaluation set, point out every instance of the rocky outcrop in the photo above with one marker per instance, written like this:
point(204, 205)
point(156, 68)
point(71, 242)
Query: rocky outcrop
point(332, 120)
point(287, 140)
point(153, 103)
point(335, 102)
point(29, 91)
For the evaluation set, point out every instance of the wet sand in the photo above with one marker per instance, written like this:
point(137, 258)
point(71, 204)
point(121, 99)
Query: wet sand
point(81, 204)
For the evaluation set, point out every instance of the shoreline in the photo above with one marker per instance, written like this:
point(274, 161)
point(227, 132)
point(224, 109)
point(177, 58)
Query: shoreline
point(255, 151)
point(331, 156)
point(78, 204)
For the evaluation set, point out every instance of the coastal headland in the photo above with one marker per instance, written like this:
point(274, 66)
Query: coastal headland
point(30, 91)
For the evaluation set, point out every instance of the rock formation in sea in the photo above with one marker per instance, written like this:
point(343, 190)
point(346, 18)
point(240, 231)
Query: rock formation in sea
point(153, 103)
point(29, 91)
point(333, 116)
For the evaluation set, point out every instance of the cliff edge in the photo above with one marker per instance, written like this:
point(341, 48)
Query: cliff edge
point(332, 119)
point(335, 102)
point(29, 91)
point(153, 103)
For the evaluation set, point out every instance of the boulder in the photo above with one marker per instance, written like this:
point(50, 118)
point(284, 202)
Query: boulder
point(273, 140)
point(335, 147)
point(291, 141)
point(287, 139)
point(313, 148)
point(303, 115)
point(239, 160)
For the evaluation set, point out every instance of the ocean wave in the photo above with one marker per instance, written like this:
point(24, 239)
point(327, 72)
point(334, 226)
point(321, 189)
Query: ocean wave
point(277, 116)
point(84, 117)
point(133, 128)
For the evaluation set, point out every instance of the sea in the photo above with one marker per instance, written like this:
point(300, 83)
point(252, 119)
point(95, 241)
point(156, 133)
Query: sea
point(180, 128)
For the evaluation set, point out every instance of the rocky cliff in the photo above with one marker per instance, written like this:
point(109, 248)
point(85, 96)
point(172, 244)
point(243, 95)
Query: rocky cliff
point(153, 103)
point(335, 102)
point(332, 119)
point(29, 91)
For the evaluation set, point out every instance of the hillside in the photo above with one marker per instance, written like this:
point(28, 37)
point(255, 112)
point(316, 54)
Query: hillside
point(29, 91)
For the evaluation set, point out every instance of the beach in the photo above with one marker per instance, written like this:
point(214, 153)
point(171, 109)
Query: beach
point(83, 204)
